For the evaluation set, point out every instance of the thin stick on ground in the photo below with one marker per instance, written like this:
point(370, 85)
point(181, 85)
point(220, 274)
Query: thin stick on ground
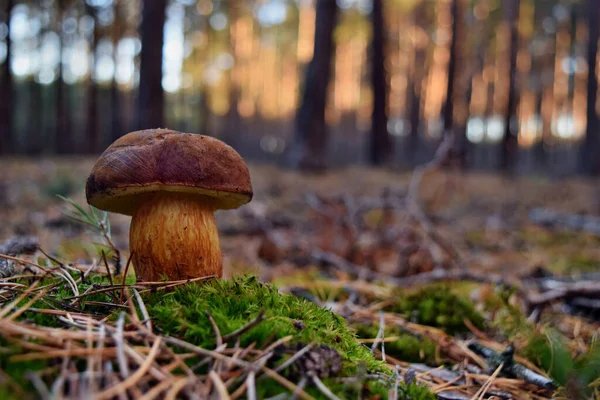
point(125, 274)
point(321, 386)
point(259, 318)
point(215, 327)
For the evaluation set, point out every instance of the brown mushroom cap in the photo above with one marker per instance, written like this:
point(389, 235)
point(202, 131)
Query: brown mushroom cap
point(161, 160)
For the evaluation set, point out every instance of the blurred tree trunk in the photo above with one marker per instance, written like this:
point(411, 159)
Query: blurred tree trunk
point(151, 96)
point(414, 102)
point(449, 104)
point(233, 121)
point(455, 95)
point(510, 143)
point(204, 113)
point(414, 90)
point(380, 150)
point(35, 125)
point(115, 94)
point(34, 142)
point(545, 78)
point(6, 107)
point(481, 30)
point(590, 151)
point(64, 137)
point(539, 148)
point(92, 140)
point(311, 130)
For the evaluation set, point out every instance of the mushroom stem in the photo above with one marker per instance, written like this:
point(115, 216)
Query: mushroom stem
point(174, 236)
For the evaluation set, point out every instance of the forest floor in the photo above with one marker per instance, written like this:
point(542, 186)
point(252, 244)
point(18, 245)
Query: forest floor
point(460, 286)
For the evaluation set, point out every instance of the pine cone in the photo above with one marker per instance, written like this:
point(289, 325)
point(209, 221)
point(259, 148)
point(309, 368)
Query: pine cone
point(322, 361)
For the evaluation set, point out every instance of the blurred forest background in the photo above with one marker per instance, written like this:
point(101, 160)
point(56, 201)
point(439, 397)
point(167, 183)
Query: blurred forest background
point(309, 83)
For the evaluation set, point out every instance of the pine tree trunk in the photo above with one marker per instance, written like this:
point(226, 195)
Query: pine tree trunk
point(6, 107)
point(204, 109)
point(35, 125)
point(414, 102)
point(411, 150)
point(455, 92)
point(449, 104)
point(590, 151)
point(233, 120)
point(510, 143)
point(63, 138)
point(115, 94)
point(311, 130)
point(92, 133)
point(381, 146)
point(151, 96)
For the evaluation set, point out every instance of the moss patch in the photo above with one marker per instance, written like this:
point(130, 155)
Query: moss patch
point(407, 347)
point(577, 263)
point(437, 306)
point(233, 304)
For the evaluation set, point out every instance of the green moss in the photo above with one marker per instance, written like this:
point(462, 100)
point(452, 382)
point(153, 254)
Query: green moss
point(478, 239)
point(17, 371)
point(549, 351)
point(546, 238)
point(408, 347)
point(351, 390)
point(577, 263)
point(372, 390)
point(233, 304)
point(416, 392)
point(437, 306)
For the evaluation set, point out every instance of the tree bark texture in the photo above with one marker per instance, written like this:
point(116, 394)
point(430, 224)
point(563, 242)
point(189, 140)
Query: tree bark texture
point(311, 129)
point(590, 150)
point(380, 149)
point(6, 86)
point(151, 96)
point(510, 143)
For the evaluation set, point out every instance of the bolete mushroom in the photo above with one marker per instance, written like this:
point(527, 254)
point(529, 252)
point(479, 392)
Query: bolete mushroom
point(171, 183)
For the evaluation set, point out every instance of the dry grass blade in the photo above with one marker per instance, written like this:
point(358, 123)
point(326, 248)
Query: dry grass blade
point(27, 305)
point(158, 389)
point(287, 384)
point(176, 388)
point(172, 284)
point(143, 309)
point(118, 338)
point(483, 390)
point(295, 357)
point(219, 385)
point(321, 386)
point(111, 352)
point(215, 328)
point(204, 352)
point(125, 274)
point(26, 262)
point(7, 308)
point(133, 378)
point(251, 385)
point(108, 273)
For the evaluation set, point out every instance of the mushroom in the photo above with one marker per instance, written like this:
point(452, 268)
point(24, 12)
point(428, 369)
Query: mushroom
point(171, 183)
